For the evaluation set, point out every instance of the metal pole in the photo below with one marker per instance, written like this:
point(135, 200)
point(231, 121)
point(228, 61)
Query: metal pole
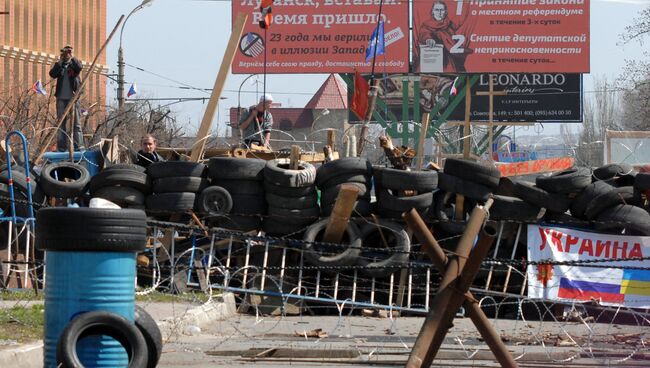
point(120, 80)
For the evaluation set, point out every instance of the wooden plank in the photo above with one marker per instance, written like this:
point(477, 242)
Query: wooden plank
point(294, 158)
point(331, 138)
point(338, 220)
point(424, 128)
point(229, 55)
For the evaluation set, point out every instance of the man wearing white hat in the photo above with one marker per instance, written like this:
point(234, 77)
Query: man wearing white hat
point(256, 122)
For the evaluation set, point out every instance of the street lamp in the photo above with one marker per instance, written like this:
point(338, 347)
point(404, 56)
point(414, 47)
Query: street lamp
point(120, 57)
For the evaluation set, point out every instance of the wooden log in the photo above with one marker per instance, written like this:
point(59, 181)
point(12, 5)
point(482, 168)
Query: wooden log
point(294, 158)
point(338, 220)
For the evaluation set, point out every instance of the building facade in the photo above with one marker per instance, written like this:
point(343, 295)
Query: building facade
point(34, 31)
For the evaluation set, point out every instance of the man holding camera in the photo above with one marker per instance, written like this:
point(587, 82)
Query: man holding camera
point(66, 71)
point(256, 123)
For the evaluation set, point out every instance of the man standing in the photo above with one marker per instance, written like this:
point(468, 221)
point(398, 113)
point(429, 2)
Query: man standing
point(147, 154)
point(256, 123)
point(66, 71)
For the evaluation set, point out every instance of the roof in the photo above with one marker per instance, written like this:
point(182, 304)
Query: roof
point(333, 94)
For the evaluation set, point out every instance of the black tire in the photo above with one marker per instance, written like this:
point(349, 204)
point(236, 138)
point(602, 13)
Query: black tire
point(442, 212)
point(345, 254)
point(288, 191)
point(101, 323)
point(421, 181)
point(346, 179)
point(642, 181)
point(248, 204)
point(214, 201)
point(328, 196)
point(233, 168)
point(530, 193)
point(165, 169)
point(567, 181)
point(622, 195)
point(93, 229)
point(305, 215)
point(362, 207)
point(121, 195)
point(511, 208)
point(273, 226)
point(391, 202)
point(170, 184)
point(466, 188)
point(631, 219)
point(151, 333)
point(20, 182)
point(124, 178)
point(133, 167)
point(385, 261)
point(64, 180)
point(292, 203)
point(277, 172)
point(167, 203)
point(397, 215)
point(473, 171)
point(565, 220)
point(250, 187)
point(349, 166)
point(581, 201)
point(611, 170)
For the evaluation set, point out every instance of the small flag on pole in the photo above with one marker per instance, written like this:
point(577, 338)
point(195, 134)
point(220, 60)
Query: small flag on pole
point(453, 90)
point(265, 9)
point(133, 90)
point(38, 88)
point(360, 97)
point(374, 40)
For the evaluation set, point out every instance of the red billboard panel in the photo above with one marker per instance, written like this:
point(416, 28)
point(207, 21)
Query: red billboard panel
point(321, 36)
point(489, 36)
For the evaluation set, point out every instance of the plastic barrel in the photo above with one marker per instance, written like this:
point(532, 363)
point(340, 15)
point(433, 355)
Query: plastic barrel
point(90, 265)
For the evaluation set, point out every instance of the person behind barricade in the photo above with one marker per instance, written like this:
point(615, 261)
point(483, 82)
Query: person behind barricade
point(66, 71)
point(147, 154)
point(256, 123)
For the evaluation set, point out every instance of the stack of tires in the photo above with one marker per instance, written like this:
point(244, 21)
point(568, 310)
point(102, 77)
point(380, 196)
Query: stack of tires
point(291, 196)
point(242, 179)
point(126, 185)
point(332, 175)
point(175, 186)
point(395, 191)
point(20, 192)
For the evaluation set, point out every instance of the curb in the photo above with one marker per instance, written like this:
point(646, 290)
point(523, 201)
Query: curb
point(31, 355)
point(224, 307)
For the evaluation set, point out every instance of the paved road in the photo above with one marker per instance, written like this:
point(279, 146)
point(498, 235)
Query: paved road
point(274, 342)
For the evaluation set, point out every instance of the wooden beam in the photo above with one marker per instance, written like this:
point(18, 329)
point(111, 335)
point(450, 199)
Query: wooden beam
point(294, 158)
point(229, 55)
point(424, 128)
point(338, 220)
point(373, 93)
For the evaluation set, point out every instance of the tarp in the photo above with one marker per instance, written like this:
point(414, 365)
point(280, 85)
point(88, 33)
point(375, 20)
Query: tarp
point(616, 284)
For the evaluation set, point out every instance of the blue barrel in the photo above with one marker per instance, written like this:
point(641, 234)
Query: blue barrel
point(90, 266)
point(89, 159)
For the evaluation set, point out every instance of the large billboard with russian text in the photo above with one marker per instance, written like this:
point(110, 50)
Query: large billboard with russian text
point(491, 36)
point(321, 36)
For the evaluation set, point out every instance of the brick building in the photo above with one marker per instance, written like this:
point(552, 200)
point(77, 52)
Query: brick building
point(33, 32)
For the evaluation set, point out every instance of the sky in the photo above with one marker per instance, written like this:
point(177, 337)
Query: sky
point(180, 43)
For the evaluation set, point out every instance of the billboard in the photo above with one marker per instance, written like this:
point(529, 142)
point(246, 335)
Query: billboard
point(491, 36)
point(321, 36)
point(529, 97)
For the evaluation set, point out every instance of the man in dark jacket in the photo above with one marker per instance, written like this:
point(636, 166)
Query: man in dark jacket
point(66, 71)
point(148, 153)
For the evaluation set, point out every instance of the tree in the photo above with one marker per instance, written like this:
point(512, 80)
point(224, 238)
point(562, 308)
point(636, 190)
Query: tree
point(636, 77)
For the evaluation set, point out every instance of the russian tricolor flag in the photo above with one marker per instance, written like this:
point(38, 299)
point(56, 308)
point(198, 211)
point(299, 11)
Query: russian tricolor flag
point(38, 88)
point(133, 90)
point(587, 290)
